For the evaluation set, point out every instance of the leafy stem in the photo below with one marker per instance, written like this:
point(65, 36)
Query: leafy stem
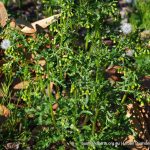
point(124, 97)
point(95, 120)
point(51, 107)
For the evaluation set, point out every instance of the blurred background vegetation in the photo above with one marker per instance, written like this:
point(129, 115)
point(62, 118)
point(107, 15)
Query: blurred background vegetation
point(140, 17)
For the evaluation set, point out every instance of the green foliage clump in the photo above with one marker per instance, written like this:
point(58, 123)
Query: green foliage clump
point(77, 60)
point(140, 16)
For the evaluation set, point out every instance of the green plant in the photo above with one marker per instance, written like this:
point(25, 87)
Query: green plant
point(92, 100)
point(140, 16)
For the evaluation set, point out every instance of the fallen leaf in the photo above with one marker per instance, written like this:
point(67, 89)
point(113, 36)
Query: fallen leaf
point(108, 42)
point(4, 111)
point(145, 34)
point(113, 69)
point(55, 106)
point(42, 62)
point(12, 23)
point(112, 73)
point(48, 46)
point(21, 85)
point(3, 15)
point(43, 23)
point(12, 145)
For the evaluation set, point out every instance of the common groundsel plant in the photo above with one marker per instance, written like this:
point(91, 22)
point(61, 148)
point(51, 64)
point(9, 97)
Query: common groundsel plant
point(79, 96)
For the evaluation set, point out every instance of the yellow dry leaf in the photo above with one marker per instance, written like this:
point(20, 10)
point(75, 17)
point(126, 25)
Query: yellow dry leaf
point(3, 15)
point(42, 62)
point(43, 23)
point(145, 34)
point(4, 111)
point(21, 85)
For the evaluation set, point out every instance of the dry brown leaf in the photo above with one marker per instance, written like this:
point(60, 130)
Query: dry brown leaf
point(42, 23)
point(21, 85)
point(112, 73)
point(42, 62)
point(145, 34)
point(4, 111)
point(55, 106)
point(114, 78)
point(3, 15)
point(113, 69)
point(108, 42)
point(12, 23)
point(12, 145)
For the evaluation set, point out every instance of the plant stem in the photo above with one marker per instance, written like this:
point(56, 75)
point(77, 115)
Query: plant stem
point(85, 120)
point(51, 107)
point(122, 101)
point(124, 97)
point(94, 123)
